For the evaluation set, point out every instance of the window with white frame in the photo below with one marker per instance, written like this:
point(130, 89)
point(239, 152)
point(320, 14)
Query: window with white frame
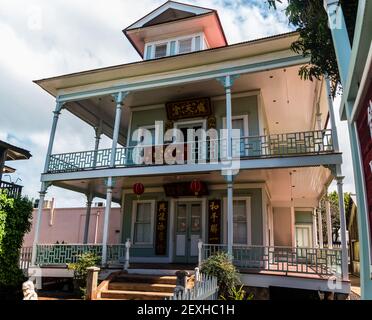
point(242, 221)
point(161, 50)
point(143, 223)
point(185, 46)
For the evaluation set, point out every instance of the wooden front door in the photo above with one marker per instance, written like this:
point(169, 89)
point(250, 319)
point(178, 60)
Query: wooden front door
point(188, 223)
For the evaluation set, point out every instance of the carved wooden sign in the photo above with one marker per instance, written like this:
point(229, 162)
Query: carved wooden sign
point(182, 189)
point(214, 221)
point(161, 228)
point(189, 109)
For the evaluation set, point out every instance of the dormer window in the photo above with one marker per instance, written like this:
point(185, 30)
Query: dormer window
point(176, 28)
point(174, 46)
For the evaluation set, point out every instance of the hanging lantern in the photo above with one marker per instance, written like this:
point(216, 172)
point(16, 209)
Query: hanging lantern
point(138, 189)
point(196, 187)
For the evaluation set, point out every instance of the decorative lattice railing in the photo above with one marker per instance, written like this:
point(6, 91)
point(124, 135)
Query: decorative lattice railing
point(62, 254)
point(277, 145)
point(317, 261)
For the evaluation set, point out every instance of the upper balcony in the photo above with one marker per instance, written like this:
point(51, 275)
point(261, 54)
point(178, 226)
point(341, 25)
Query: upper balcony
point(283, 120)
point(197, 152)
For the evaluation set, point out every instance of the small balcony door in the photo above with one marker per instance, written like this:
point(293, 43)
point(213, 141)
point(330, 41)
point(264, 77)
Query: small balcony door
point(188, 231)
point(303, 236)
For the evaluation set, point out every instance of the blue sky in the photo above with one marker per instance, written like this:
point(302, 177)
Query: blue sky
point(47, 38)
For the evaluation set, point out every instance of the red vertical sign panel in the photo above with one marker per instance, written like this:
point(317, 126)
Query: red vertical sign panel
point(364, 125)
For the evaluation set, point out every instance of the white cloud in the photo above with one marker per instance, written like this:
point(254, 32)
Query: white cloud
point(47, 38)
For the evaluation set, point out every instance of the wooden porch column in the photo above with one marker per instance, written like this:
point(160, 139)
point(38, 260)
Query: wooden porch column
point(87, 217)
point(98, 131)
point(320, 228)
point(315, 230)
point(2, 162)
point(230, 218)
point(329, 224)
point(107, 220)
point(38, 223)
point(119, 98)
point(332, 118)
point(57, 112)
point(341, 204)
point(227, 82)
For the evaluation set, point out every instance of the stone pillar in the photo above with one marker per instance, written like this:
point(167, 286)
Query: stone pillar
point(92, 283)
point(341, 204)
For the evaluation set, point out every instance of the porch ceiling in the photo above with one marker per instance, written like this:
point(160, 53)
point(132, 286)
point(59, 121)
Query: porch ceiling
point(288, 101)
point(301, 184)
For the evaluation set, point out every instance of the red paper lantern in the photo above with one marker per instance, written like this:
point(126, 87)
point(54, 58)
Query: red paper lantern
point(138, 189)
point(196, 187)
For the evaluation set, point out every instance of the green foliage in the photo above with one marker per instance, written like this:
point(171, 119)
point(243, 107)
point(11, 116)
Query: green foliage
point(238, 294)
point(311, 21)
point(85, 261)
point(15, 221)
point(335, 213)
point(220, 266)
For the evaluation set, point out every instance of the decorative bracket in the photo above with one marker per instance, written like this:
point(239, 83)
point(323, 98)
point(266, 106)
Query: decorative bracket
point(110, 182)
point(228, 81)
point(120, 97)
point(59, 107)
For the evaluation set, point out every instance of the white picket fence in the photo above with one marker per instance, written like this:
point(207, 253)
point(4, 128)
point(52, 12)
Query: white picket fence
point(205, 288)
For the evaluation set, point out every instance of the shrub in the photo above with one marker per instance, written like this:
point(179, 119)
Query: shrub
point(238, 294)
point(85, 261)
point(15, 221)
point(220, 266)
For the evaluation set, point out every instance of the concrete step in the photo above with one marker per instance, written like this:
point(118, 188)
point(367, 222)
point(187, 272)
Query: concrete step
point(146, 287)
point(148, 279)
point(133, 295)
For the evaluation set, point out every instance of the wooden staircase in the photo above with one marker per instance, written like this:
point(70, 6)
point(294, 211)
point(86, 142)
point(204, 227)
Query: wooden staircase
point(124, 286)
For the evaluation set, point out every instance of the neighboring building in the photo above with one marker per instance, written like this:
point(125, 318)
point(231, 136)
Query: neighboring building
point(9, 152)
point(279, 132)
point(355, 65)
point(66, 225)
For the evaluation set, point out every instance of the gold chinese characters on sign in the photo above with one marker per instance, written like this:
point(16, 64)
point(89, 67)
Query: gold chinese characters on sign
point(161, 228)
point(189, 109)
point(214, 222)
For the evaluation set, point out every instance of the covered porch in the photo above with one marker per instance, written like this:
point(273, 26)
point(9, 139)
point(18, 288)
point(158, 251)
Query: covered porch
point(274, 204)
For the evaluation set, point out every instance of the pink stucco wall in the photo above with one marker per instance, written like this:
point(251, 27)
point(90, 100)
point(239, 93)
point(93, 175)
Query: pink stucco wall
point(67, 224)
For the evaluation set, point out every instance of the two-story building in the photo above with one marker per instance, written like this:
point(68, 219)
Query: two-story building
point(252, 189)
